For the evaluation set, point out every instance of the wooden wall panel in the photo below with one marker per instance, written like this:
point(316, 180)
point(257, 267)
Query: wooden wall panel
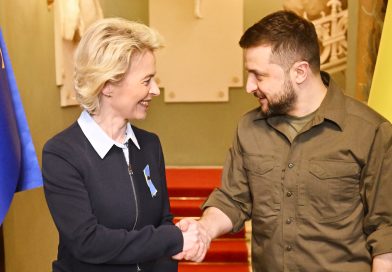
point(201, 58)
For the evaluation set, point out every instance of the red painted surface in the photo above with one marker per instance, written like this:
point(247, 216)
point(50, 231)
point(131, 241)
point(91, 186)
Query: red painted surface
point(213, 267)
point(188, 189)
point(192, 182)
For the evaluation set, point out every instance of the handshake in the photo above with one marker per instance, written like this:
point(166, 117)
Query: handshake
point(196, 240)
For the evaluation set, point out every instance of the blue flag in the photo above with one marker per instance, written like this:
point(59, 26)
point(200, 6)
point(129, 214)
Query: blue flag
point(19, 169)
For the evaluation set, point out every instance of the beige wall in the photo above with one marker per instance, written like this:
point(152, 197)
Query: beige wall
point(29, 234)
point(191, 134)
point(30, 238)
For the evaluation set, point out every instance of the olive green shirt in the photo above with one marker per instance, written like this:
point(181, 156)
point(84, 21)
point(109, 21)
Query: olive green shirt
point(322, 202)
point(296, 124)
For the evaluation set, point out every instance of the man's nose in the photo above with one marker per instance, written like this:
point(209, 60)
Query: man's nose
point(251, 85)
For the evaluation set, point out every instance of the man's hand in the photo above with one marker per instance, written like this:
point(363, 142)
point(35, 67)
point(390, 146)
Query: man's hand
point(196, 240)
point(382, 263)
point(211, 225)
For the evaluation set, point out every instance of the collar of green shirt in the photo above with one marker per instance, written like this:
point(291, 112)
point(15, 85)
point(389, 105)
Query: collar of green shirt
point(332, 108)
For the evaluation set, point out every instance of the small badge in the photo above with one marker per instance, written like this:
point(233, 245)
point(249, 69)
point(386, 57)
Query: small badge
point(150, 185)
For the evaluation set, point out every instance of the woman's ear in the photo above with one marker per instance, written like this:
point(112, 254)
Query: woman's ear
point(301, 71)
point(107, 90)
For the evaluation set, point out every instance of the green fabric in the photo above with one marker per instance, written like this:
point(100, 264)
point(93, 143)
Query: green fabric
point(319, 203)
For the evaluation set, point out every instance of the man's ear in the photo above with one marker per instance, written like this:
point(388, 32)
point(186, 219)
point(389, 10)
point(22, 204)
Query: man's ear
point(107, 90)
point(301, 70)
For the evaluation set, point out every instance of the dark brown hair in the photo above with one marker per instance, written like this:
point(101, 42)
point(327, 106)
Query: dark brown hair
point(291, 37)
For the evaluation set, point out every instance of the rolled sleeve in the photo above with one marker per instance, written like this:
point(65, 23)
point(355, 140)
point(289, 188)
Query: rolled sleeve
point(220, 200)
point(381, 241)
point(378, 190)
point(233, 198)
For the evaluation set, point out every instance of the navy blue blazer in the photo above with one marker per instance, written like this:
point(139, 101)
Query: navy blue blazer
point(106, 220)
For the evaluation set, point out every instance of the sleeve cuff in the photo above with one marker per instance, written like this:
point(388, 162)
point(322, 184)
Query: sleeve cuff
point(177, 238)
point(219, 200)
point(380, 241)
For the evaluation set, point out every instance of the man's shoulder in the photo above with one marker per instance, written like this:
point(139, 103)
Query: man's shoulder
point(252, 115)
point(360, 110)
point(250, 118)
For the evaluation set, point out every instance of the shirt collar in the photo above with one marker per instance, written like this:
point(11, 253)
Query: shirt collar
point(100, 141)
point(332, 107)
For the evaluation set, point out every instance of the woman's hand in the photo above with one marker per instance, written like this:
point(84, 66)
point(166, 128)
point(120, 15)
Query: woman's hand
point(196, 240)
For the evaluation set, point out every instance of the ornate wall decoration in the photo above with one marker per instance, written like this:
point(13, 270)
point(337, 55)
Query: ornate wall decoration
point(71, 18)
point(330, 18)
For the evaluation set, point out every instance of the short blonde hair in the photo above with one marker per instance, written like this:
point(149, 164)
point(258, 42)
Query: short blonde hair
point(104, 55)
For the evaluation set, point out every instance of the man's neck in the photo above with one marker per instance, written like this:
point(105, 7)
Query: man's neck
point(310, 95)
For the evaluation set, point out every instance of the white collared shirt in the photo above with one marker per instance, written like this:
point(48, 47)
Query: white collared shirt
point(98, 138)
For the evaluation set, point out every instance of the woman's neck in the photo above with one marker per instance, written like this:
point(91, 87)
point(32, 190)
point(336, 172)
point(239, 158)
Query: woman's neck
point(115, 127)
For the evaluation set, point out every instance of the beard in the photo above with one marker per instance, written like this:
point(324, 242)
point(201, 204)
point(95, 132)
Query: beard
point(282, 104)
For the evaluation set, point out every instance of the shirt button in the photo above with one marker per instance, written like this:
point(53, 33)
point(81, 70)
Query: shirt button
point(289, 248)
point(291, 165)
point(289, 193)
point(289, 220)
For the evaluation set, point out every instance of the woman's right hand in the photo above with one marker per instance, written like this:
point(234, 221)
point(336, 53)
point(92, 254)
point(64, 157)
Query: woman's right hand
point(196, 240)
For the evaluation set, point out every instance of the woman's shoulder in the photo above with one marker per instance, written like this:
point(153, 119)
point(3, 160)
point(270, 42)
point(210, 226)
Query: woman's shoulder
point(69, 137)
point(144, 135)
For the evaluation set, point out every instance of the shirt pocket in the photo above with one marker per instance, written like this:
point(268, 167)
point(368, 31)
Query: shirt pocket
point(264, 187)
point(331, 189)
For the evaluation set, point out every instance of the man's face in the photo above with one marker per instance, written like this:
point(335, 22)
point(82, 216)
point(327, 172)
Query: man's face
point(268, 82)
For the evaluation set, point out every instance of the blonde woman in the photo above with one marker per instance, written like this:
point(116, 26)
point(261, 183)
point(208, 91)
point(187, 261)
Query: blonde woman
point(104, 179)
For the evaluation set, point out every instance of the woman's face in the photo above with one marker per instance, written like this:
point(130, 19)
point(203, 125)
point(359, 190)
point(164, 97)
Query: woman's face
point(131, 97)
